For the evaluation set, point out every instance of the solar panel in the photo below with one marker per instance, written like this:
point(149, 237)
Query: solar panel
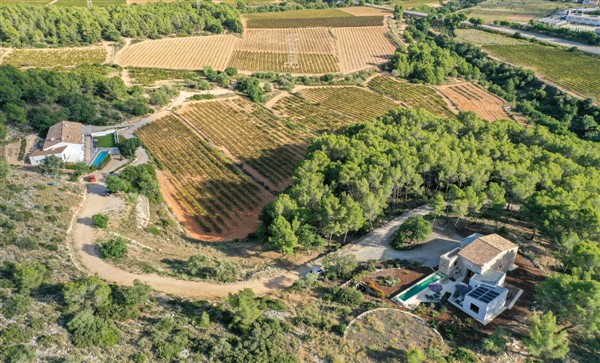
point(483, 294)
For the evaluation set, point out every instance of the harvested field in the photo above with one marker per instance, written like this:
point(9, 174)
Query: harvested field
point(277, 62)
point(61, 57)
point(470, 97)
point(207, 186)
point(354, 102)
point(257, 139)
point(382, 335)
point(363, 47)
point(310, 40)
point(414, 95)
point(310, 19)
point(180, 53)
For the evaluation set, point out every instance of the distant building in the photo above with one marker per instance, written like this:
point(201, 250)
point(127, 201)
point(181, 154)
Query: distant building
point(583, 16)
point(64, 140)
point(590, 2)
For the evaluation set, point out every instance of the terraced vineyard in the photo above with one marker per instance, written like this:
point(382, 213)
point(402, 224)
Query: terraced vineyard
point(180, 53)
point(363, 47)
point(470, 97)
point(415, 95)
point(277, 62)
point(312, 117)
point(207, 185)
point(149, 76)
point(62, 57)
point(354, 102)
point(576, 72)
point(253, 135)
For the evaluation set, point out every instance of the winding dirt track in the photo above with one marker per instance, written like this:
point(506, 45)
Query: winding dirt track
point(88, 259)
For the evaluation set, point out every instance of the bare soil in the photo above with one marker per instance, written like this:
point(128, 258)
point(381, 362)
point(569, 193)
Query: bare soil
point(404, 277)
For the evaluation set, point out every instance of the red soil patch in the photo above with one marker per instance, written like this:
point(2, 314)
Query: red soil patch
point(406, 278)
point(467, 96)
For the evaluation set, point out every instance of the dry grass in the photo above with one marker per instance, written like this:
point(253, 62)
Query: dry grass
point(479, 37)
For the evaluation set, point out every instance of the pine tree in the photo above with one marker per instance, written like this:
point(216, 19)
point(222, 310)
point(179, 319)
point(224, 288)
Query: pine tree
point(544, 340)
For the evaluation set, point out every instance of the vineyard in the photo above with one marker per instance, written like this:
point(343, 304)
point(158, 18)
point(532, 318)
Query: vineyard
point(310, 116)
point(310, 19)
point(514, 10)
point(278, 62)
point(205, 184)
point(94, 2)
point(360, 104)
point(470, 97)
point(576, 72)
point(63, 57)
point(180, 53)
point(255, 137)
point(414, 95)
point(479, 37)
point(310, 40)
point(149, 76)
point(360, 48)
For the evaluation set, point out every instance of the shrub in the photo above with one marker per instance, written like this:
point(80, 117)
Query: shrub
point(89, 330)
point(349, 296)
point(464, 355)
point(16, 305)
point(114, 248)
point(29, 276)
point(415, 229)
point(415, 355)
point(100, 220)
point(495, 343)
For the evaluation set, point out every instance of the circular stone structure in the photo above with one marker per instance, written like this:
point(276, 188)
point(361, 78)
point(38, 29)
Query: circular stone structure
point(386, 334)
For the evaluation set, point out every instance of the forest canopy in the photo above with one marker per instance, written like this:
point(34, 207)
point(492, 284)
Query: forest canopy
point(348, 181)
point(25, 25)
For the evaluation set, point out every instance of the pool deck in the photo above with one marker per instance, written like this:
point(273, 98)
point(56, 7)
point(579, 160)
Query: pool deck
point(425, 294)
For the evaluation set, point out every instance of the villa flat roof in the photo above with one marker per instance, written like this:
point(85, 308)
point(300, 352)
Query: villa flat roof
point(485, 293)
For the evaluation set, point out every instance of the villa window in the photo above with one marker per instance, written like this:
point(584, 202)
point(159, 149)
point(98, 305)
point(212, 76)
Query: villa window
point(474, 308)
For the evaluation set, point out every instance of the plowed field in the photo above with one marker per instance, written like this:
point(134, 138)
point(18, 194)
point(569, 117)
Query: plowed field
point(470, 97)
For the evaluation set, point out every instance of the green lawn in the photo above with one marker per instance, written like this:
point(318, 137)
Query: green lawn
point(106, 141)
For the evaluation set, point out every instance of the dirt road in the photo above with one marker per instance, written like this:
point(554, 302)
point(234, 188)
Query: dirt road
point(86, 256)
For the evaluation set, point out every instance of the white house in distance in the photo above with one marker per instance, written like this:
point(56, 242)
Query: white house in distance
point(64, 140)
point(482, 262)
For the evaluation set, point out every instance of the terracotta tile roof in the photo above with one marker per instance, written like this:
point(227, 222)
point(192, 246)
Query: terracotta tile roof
point(486, 248)
point(65, 131)
point(49, 152)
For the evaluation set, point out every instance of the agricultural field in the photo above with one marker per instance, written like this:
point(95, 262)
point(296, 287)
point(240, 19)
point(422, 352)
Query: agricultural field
point(310, 18)
point(307, 40)
point(180, 53)
point(573, 71)
point(470, 97)
point(62, 57)
point(367, 11)
point(254, 136)
point(149, 76)
point(308, 63)
point(94, 2)
point(28, 2)
point(515, 10)
point(359, 48)
point(310, 116)
point(414, 95)
point(479, 37)
point(204, 183)
point(358, 103)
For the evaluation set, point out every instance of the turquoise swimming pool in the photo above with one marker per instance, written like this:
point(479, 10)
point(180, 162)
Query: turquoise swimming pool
point(420, 286)
point(100, 158)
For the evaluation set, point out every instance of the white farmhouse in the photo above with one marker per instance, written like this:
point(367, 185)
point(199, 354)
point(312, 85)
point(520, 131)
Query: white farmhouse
point(480, 265)
point(64, 140)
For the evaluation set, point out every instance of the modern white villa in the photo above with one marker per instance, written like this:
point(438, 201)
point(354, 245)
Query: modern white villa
point(473, 275)
point(64, 140)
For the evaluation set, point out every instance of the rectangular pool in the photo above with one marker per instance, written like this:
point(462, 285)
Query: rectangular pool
point(99, 158)
point(420, 286)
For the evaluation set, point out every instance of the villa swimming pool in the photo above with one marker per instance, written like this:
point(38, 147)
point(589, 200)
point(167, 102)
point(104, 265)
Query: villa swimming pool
point(420, 286)
point(100, 158)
